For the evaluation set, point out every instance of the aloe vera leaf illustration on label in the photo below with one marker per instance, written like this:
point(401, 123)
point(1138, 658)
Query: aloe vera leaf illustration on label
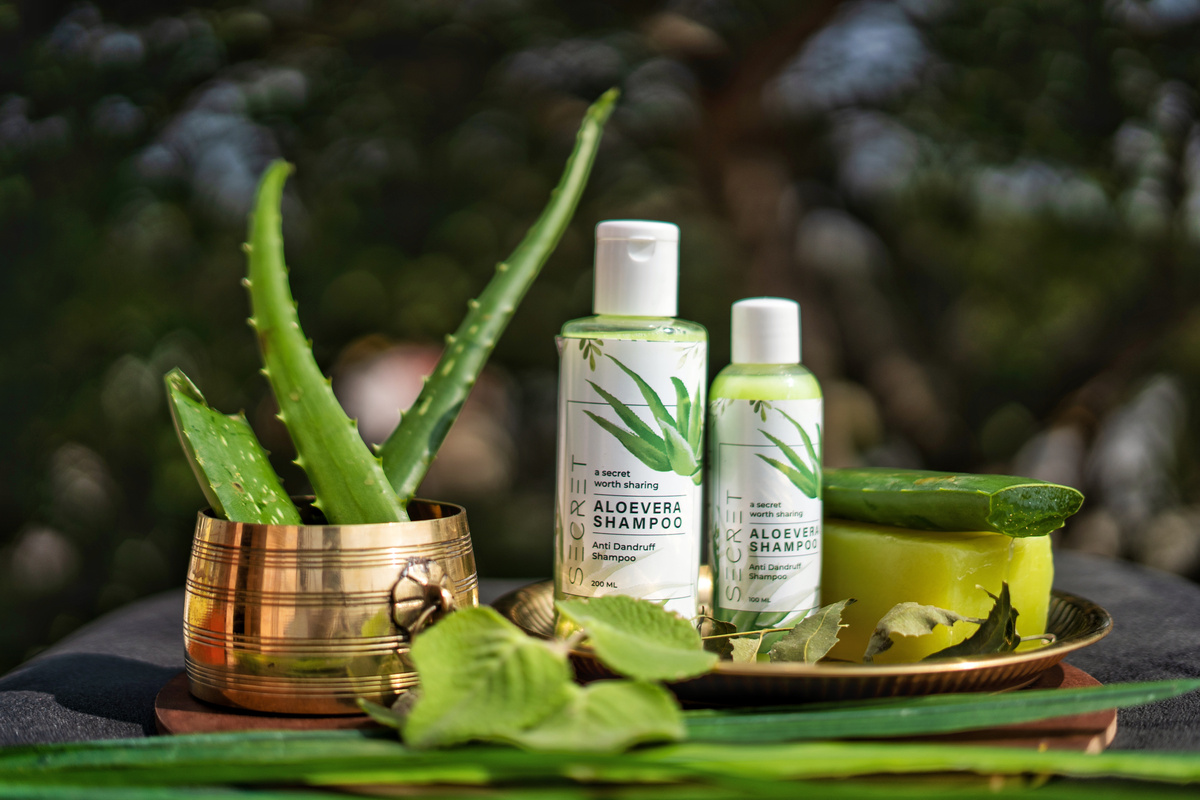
point(804, 477)
point(676, 446)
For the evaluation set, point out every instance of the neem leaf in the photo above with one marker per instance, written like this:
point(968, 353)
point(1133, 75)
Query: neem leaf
point(639, 638)
point(745, 649)
point(996, 634)
point(909, 619)
point(813, 636)
point(607, 717)
point(482, 678)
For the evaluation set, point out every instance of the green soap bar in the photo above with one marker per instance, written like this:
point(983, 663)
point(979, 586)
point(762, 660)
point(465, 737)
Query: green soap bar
point(881, 566)
point(947, 501)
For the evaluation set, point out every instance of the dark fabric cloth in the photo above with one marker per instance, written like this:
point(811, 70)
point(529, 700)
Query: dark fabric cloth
point(101, 682)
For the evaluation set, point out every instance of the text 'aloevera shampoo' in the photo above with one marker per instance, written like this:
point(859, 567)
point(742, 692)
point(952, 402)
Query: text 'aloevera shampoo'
point(765, 417)
point(628, 516)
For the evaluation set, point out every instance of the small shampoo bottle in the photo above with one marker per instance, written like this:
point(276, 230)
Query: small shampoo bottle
point(764, 481)
point(631, 408)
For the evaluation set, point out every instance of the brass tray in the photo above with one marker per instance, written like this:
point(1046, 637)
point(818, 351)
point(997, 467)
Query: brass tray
point(1075, 621)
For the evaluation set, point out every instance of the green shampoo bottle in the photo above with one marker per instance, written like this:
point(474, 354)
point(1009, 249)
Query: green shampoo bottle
point(631, 409)
point(764, 473)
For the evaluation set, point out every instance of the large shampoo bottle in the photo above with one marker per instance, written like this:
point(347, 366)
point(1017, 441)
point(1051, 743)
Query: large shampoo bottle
point(765, 417)
point(631, 409)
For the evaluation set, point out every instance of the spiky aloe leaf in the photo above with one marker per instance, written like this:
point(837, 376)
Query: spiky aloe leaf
point(347, 478)
point(408, 452)
point(227, 459)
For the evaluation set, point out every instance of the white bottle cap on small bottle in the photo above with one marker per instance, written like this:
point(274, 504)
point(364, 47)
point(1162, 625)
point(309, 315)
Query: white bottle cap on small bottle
point(637, 268)
point(766, 330)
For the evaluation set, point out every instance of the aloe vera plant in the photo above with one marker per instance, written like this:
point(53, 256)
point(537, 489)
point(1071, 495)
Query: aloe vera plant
point(804, 477)
point(676, 447)
point(350, 483)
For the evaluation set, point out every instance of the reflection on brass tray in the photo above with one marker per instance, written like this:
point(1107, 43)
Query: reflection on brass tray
point(1074, 621)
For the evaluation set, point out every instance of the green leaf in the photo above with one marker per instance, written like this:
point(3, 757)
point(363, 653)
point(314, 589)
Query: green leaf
point(410, 449)
point(715, 634)
point(639, 638)
point(909, 619)
point(996, 634)
point(813, 636)
point(745, 649)
point(914, 716)
point(644, 451)
point(607, 717)
point(635, 424)
point(482, 678)
point(227, 459)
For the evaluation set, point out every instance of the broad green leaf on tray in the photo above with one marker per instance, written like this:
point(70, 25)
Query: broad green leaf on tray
point(639, 638)
point(607, 717)
point(482, 678)
point(996, 634)
point(813, 636)
point(909, 619)
point(745, 649)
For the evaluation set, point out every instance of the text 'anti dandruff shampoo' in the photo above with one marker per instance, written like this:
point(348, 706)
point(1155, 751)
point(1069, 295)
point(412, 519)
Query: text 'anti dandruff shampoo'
point(628, 516)
point(765, 417)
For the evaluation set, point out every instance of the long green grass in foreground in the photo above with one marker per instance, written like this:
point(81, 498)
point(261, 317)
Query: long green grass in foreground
point(729, 753)
point(351, 758)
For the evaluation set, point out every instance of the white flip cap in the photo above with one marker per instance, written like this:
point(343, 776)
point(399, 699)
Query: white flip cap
point(637, 268)
point(766, 330)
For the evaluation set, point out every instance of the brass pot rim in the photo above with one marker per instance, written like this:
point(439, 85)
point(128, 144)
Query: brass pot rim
point(305, 504)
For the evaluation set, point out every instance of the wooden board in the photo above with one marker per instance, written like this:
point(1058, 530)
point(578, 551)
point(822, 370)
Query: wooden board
point(177, 712)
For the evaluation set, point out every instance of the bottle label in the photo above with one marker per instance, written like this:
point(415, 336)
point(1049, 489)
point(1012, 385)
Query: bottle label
point(765, 510)
point(628, 516)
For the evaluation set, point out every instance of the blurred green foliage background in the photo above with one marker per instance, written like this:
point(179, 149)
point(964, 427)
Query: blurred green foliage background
point(990, 212)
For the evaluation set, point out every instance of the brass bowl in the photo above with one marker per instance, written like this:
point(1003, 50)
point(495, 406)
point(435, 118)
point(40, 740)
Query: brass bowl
point(1074, 621)
point(305, 619)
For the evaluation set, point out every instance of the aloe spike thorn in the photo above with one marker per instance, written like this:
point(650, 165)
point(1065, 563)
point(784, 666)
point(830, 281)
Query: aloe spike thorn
point(408, 452)
point(221, 449)
point(333, 454)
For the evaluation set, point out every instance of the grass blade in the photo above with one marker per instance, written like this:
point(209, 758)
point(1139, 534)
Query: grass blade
point(921, 715)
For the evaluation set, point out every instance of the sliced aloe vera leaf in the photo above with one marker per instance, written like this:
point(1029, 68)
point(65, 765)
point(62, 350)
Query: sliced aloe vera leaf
point(947, 501)
point(229, 463)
